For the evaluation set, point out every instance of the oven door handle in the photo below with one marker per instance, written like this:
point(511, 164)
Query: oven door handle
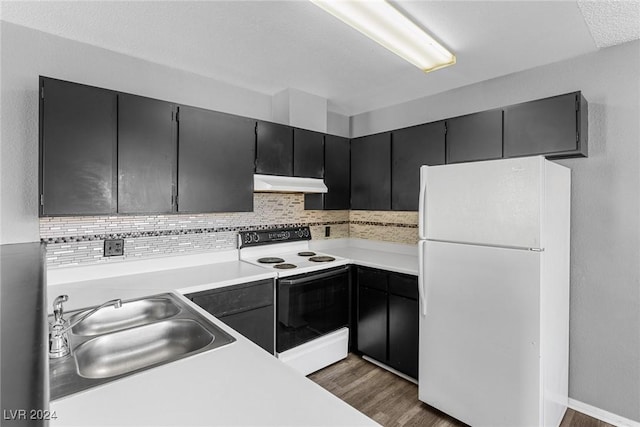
point(313, 277)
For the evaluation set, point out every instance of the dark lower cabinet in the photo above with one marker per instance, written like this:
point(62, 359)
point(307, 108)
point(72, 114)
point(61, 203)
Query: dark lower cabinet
point(555, 127)
point(274, 149)
point(411, 148)
point(147, 153)
point(474, 137)
point(215, 161)
point(78, 149)
point(388, 318)
point(248, 308)
point(371, 172)
point(254, 324)
point(403, 334)
point(372, 322)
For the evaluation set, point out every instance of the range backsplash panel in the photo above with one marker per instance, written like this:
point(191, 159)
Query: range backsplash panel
point(80, 240)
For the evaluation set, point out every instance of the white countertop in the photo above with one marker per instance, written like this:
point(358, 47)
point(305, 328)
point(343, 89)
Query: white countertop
point(386, 256)
point(239, 384)
point(235, 385)
point(183, 280)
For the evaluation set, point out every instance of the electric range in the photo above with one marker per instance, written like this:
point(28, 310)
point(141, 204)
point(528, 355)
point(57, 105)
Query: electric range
point(312, 296)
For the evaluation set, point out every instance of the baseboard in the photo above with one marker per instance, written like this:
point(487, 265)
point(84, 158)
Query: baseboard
point(601, 414)
point(390, 369)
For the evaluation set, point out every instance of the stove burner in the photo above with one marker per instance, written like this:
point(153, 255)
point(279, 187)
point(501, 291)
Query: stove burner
point(322, 258)
point(270, 260)
point(284, 266)
point(306, 253)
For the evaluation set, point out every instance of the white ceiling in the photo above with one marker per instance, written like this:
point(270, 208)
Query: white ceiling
point(269, 46)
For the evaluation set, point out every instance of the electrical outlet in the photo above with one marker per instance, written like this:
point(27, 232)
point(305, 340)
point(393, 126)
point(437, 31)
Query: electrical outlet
point(327, 231)
point(114, 247)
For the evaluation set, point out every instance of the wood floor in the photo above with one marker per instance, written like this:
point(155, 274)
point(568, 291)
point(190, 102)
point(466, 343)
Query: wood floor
point(393, 401)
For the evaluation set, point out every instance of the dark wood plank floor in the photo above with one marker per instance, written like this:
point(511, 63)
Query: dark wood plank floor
point(393, 401)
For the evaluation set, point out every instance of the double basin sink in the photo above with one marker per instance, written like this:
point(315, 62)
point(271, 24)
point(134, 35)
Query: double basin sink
point(141, 334)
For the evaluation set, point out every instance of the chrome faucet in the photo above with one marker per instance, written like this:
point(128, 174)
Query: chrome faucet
point(58, 338)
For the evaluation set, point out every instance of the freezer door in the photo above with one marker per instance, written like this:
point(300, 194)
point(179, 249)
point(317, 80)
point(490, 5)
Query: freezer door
point(479, 341)
point(494, 202)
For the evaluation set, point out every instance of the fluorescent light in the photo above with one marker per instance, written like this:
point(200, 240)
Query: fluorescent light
point(384, 24)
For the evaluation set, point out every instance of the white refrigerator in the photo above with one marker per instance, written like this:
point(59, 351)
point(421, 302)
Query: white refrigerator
point(494, 291)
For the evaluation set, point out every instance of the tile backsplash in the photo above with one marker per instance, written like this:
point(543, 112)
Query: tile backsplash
point(80, 240)
point(388, 226)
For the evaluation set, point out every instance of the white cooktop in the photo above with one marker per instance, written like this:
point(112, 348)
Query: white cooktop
point(289, 253)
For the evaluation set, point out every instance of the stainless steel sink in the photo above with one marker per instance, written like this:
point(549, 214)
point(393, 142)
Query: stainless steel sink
point(125, 351)
point(148, 332)
point(132, 313)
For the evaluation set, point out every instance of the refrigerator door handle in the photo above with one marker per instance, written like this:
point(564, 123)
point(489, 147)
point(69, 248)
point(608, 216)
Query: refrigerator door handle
point(421, 279)
point(421, 210)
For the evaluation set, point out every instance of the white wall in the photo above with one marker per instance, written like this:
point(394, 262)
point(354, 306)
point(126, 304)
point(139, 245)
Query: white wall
point(605, 228)
point(26, 54)
point(338, 124)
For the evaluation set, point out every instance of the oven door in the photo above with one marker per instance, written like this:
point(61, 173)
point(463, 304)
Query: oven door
point(311, 305)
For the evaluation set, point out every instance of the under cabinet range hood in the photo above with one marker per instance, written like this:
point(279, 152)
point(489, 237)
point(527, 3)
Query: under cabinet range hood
point(287, 184)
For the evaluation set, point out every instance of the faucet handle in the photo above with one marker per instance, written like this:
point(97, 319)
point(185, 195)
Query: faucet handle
point(58, 310)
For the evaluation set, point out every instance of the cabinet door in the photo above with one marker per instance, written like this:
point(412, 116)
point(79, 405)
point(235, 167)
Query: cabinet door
point(308, 154)
point(77, 149)
point(411, 148)
point(546, 126)
point(215, 161)
point(336, 176)
point(372, 278)
point(372, 323)
point(256, 325)
point(336, 172)
point(275, 149)
point(146, 155)
point(403, 334)
point(475, 137)
point(371, 172)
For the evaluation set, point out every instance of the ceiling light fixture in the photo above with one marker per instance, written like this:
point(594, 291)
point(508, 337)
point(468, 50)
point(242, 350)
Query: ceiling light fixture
point(384, 24)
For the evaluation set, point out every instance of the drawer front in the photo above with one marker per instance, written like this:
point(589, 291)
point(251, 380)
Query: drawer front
point(403, 285)
point(235, 299)
point(375, 279)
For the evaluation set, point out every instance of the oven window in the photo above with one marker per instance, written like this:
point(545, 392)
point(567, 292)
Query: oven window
point(308, 308)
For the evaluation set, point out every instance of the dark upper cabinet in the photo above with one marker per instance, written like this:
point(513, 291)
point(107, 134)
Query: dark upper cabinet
point(146, 155)
point(411, 148)
point(336, 176)
point(216, 155)
point(308, 154)
point(371, 172)
point(556, 127)
point(274, 147)
point(473, 137)
point(337, 168)
point(78, 146)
